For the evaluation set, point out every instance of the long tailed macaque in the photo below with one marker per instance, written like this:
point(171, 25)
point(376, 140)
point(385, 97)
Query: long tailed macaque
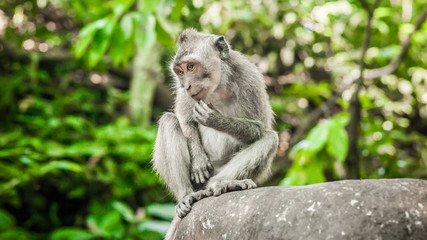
point(219, 137)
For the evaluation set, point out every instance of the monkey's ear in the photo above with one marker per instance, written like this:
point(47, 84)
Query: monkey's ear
point(222, 47)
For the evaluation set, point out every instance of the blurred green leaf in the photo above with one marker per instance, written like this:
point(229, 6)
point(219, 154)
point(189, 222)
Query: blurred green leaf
point(163, 36)
point(177, 9)
point(111, 225)
point(165, 211)
point(71, 233)
point(121, 50)
point(101, 41)
point(16, 234)
point(120, 6)
point(124, 210)
point(128, 24)
point(149, 6)
point(295, 177)
point(87, 34)
point(7, 221)
point(154, 226)
point(315, 171)
point(63, 165)
point(338, 142)
point(318, 137)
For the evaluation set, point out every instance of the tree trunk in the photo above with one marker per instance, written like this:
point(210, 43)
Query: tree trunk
point(146, 74)
point(351, 209)
point(146, 69)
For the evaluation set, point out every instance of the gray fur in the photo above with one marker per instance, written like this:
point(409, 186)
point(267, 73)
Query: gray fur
point(222, 141)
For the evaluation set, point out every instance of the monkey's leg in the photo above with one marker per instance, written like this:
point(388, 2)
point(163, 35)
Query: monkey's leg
point(171, 158)
point(250, 163)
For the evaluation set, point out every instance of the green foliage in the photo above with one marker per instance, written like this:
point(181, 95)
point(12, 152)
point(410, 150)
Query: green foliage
point(164, 211)
point(71, 234)
point(326, 144)
point(74, 167)
point(115, 220)
point(119, 32)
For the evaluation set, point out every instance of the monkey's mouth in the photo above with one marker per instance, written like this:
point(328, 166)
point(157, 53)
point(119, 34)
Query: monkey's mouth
point(197, 96)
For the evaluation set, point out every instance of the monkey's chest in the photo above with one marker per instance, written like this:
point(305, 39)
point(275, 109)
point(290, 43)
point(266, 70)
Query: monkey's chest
point(219, 146)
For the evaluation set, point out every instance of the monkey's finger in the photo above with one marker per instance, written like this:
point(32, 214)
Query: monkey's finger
point(213, 108)
point(192, 177)
point(206, 174)
point(197, 117)
point(205, 106)
point(207, 193)
point(179, 213)
point(182, 210)
point(200, 118)
point(220, 190)
point(188, 202)
point(217, 192)
point(199, 109)
point(195, 112)
point(210, 166)
point(204, 193)
point(196, 176)
point(202, 177)
point(251, 184)
point(199, 114)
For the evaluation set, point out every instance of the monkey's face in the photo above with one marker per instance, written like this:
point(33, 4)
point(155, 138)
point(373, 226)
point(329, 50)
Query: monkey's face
point(198, 77)
point(197, 63)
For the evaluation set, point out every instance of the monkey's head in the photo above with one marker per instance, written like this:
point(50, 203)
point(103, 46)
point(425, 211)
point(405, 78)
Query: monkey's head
point(197, 63)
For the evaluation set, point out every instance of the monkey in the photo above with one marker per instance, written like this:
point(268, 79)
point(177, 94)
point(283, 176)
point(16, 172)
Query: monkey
point(220, 134)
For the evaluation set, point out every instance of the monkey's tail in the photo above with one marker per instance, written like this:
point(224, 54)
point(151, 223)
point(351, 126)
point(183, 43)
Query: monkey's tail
point(170, 235)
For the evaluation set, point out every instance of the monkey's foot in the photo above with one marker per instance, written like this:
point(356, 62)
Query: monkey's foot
point(184, 206)
point(223, 186)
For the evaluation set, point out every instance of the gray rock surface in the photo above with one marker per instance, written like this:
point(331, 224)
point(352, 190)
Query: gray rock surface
point(385, 209)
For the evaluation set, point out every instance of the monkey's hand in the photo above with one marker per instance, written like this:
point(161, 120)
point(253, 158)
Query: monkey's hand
point(218, 187)
point(206, 115)
point(201, 168)
point(184, 206)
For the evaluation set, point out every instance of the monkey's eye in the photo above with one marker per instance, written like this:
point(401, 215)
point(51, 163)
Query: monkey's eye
point(180, 72)
point(190, 67)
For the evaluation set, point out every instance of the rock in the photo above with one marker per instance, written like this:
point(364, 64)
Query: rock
point(352, 209)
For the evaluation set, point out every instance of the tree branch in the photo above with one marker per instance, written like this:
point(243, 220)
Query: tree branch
point(163, 95)
point(316, 114)
point(378, 72)
point(352, 160)
point(308, 123)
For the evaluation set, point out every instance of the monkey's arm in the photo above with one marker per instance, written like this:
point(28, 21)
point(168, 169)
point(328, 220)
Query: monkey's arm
point(201, 167)
point(245, 130)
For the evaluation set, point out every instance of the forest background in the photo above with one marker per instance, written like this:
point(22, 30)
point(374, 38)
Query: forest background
point(82, 84)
